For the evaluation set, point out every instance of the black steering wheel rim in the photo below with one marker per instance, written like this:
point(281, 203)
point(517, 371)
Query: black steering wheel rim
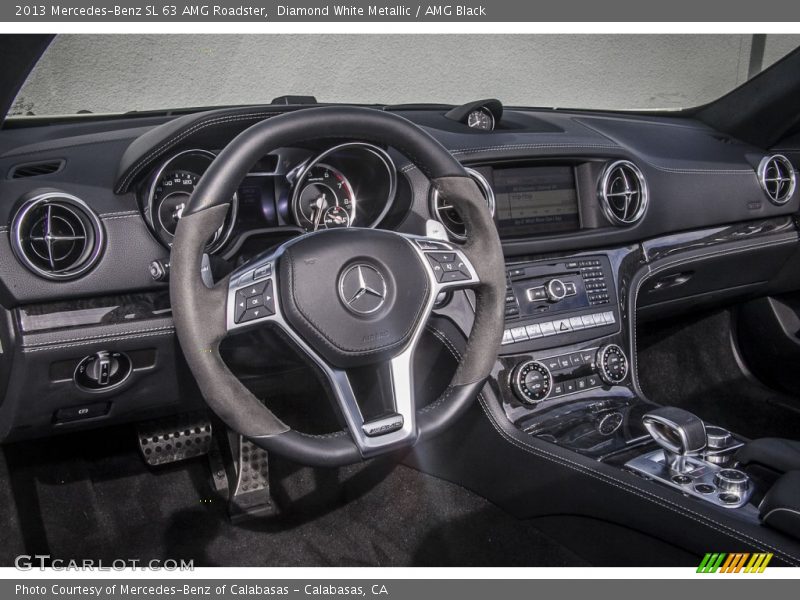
point(200, 312)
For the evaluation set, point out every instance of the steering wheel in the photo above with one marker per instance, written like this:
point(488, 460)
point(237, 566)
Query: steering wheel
point(348, 298)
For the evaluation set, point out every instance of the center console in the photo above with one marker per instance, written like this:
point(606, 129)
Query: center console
point(565, 376)
point(565, 373)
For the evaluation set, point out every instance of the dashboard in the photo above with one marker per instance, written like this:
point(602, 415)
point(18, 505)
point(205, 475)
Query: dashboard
point(602, 217)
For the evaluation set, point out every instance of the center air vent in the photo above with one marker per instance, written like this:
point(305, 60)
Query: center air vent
point(448, 216)
point(56, 236)
point(777, 178)
point(623, 193)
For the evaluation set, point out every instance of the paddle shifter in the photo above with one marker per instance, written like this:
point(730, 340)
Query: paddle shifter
point(680, 433)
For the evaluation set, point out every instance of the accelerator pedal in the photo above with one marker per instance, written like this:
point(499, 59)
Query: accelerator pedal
point(173, 439)
point(250, 497)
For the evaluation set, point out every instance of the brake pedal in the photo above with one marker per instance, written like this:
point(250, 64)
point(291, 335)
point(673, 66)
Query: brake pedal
point(251, 496)
point(174, 439)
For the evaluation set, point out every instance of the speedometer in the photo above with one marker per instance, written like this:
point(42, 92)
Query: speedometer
point(172, 185)
point(170, 196)
point(323, 198)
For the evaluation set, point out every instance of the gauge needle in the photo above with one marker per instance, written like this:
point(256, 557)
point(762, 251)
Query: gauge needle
point(320, 204)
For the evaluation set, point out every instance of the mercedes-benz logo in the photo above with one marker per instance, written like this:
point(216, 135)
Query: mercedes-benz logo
point(362, 289)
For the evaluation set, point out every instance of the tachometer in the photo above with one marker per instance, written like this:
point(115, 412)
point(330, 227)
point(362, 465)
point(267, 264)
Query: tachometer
point(323, 198)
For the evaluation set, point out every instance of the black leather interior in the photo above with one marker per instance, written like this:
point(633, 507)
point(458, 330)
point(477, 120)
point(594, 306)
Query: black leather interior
point(776, 454)
point(780, 508)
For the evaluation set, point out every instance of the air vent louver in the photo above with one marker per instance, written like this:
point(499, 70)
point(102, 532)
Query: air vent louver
point(36, 169)
point(56, 236)
point(448, 216)
point(623, 193)
point(777, 178)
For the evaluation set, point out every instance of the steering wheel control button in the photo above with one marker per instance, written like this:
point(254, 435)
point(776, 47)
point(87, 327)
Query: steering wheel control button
point(612, 364)
point(532, 382)
point(264, 271)
point(447, 267)
point(383, 426)
point(254, 302)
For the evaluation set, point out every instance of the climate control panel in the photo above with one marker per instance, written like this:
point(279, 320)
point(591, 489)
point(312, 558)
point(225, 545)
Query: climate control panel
point(553, 377)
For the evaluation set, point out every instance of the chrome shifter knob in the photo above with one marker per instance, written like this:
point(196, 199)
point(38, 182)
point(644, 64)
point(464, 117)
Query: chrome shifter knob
point(680, 433)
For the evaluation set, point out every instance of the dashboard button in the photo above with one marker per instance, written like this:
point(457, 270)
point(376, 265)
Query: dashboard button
point(537, 293)
point(507, 337)
point(598, 320)
point(609, 317)
point(588, 321)
point(562, 326)
point(569, 387)
point(570, 287)
point(576, 323)
point(564, 362)
point(519, 334)
point(547, 329)
point(534, 331)
point(552, 363)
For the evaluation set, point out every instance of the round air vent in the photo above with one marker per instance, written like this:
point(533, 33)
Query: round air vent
point(448, 216)
point(623, 193)
point(777, 178)
point(56, 236)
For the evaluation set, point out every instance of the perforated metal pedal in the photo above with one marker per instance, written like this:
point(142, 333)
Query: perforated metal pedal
point(251, 498)
point(173, 439)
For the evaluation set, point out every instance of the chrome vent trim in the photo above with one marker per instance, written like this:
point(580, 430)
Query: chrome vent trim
point(623, 193)
point(777, 178)
point(57, 236)
point(448, 216)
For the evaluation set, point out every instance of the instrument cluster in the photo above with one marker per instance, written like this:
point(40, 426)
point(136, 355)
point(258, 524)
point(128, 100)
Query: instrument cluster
point(348, 185)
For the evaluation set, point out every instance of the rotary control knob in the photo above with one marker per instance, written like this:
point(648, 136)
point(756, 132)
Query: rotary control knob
point(555, 290)
point(532, 382)
point(612, 364)
point(732, 481)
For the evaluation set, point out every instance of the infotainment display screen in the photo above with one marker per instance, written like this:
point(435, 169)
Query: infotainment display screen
point(535, 200)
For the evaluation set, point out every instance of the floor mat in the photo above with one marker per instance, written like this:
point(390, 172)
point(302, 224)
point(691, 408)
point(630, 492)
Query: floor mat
point(92, 496)
point(690, 363)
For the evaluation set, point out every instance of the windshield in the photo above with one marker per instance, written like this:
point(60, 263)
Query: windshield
point(121, 73)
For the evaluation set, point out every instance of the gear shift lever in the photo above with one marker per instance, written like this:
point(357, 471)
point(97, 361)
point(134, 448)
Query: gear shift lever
point(680, 433)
